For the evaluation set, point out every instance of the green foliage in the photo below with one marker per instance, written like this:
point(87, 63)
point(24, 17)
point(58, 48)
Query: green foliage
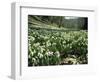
point(52, 47)
point(62, 22)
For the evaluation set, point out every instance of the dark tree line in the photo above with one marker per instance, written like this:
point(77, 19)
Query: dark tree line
point(80, 23)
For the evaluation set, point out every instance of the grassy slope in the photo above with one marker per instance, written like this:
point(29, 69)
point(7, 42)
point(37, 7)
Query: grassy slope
point(38, 24)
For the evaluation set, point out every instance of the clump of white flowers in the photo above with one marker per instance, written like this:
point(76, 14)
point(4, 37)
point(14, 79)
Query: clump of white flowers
point(40, 55)
point(50, 47)
point(57, 53)
point(49, 53)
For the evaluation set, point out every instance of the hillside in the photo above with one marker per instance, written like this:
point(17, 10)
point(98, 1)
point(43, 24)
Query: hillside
point(56, 42)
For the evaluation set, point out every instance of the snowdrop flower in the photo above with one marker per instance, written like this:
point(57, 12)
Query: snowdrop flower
point(49, 53)
point(34, 59)
point(37, 44)
point(57, 53)
point(40, 55)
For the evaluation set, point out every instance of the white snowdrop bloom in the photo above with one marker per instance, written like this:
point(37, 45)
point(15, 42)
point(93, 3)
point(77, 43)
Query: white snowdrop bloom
point(48, 43)
point(52, 37)
point(45, 37)
point(54, 44)
point(49, 53)
point(37, 44)
point(32, 38)
point(57, 53)
point(34, 51)
point(34, 59)
point(40, 55)
point(64, 42)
